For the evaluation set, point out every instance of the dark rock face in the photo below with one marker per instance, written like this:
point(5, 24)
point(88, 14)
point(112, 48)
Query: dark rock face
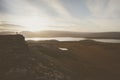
point(13, 54)
point(20, 62)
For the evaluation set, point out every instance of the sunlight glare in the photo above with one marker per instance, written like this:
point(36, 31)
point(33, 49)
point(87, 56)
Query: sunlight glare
point(35, 23)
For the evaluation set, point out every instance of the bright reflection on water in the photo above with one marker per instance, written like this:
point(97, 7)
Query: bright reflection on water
point(74, 39)
point(63, 49)
point(57, 38)
point(107, 40)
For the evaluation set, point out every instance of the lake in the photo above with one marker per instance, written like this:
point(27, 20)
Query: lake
point(74, 39)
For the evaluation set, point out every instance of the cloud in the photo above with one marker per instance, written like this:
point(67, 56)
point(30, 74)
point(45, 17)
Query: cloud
point(114, 8)
point(97, 7)
point(57, 6)
point(104, 8)
point(105, 14)
point(79, 15)
point(9, 27)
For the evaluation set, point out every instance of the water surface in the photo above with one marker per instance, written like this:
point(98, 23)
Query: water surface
point(56, 38)
point(74, 39)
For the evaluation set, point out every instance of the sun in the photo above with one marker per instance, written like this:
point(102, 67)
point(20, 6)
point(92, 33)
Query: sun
point(36, 27)
point(36, 24)
point(33, 25)
point(33, 29)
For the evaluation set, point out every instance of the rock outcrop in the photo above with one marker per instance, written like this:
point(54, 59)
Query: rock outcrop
point(14, 54)
point(20, 62)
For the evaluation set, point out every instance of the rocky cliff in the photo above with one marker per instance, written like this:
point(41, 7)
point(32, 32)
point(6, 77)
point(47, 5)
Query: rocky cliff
point(20, 62)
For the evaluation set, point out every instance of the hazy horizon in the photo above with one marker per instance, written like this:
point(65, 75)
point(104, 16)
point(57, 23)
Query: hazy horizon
point(60, 15)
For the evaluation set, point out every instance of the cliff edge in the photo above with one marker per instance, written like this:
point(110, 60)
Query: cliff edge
point(18, 61)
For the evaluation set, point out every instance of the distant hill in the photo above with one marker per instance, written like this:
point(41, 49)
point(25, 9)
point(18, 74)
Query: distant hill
point(111, 35)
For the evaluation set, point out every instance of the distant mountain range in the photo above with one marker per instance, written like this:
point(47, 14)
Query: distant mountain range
point(110, 35)
point(95, 35)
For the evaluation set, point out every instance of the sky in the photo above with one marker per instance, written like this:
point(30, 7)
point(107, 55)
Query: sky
point(67, 15)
